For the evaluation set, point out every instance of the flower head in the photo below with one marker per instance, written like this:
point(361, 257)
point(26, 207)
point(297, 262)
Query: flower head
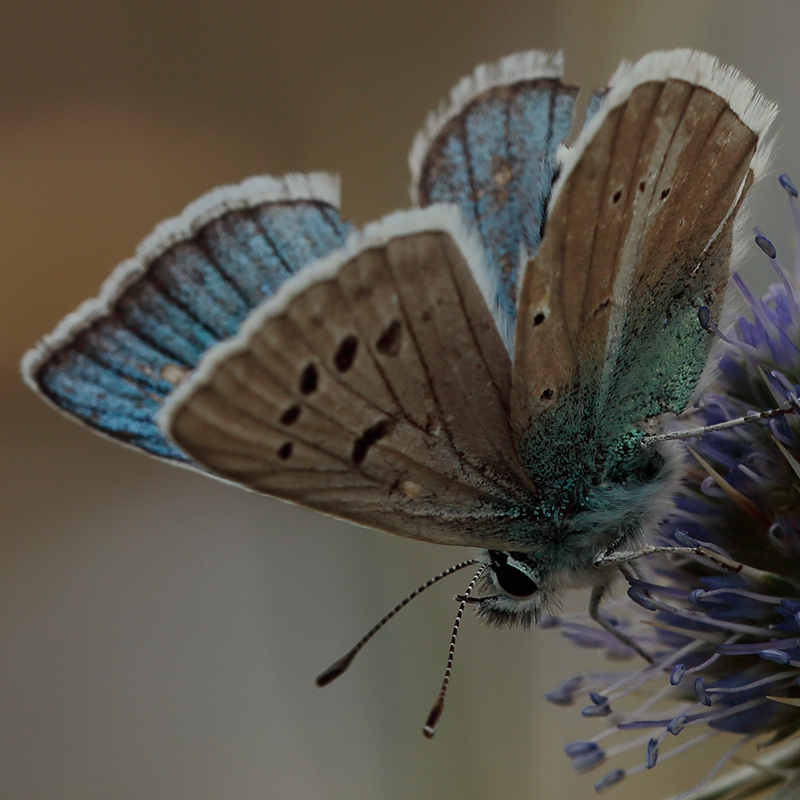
point(724, 626)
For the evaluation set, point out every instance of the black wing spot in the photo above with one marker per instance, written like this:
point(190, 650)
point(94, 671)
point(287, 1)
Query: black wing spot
point(539, 319)
point(371, 436)
point(285, 450)
point(309, 379)
point(601, 307)
point(291, 415)
point(547, 394)
point(389, 341)
point(346, 353)
point(641, 186)
point(617, 196)
point(665, 193)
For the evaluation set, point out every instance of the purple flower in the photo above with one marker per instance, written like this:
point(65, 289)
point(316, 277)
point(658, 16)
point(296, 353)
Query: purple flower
point(724, 632)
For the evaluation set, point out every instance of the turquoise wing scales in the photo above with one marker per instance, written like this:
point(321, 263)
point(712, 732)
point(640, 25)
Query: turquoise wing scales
point(112, 363)
point(492, 152)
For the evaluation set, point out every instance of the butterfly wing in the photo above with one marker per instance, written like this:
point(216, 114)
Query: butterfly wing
point(638, 238)
point(373, 387)
point(111, 363)
point(492, 153)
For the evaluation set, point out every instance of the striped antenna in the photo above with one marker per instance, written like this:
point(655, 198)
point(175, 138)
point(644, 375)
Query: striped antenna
point(436, 712)
point(338, 667)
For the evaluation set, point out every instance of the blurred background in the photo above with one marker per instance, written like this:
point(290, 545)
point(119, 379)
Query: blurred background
point(160, 632)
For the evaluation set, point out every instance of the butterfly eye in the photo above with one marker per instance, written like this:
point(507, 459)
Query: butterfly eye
point(514, 581)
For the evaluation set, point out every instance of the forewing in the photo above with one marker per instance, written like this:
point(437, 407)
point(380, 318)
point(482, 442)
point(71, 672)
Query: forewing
point(374, 387)
point(638, 238)
point(112, 363)
point(492, 152)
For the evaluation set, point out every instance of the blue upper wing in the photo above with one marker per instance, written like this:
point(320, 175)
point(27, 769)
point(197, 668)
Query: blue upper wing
point(112, 363)
point(493, 153)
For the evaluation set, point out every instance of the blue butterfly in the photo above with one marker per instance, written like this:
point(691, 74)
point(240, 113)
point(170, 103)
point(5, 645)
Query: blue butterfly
point(450, 373)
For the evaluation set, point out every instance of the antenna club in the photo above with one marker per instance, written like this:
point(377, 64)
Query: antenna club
point(438, 706)
point(338, 667)
point(334, 671)
point(433, 718)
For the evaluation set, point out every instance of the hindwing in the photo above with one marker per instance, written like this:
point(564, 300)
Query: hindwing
point(373, 387)
point(193, 281)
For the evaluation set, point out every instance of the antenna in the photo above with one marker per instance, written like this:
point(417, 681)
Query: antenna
point(339, 666)
point(436, 712)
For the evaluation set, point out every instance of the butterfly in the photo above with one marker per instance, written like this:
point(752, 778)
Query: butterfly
point(481, 370)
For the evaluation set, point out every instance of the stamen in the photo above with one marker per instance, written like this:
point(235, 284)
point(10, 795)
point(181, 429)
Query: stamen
point(677, 725)
point(760, 317)
point(781, 676)
point(787, 385)
point(653, 700)
point(648, 674)
point(719, 765)
point(754, 476)
point(676, 751)
point(710, 489)
point(791, 190)
point(788, 185)
point(704, 619)
point(702, 594)
point(700, 638)
point(565, 694)
point(708, 662)
point(596, 711)
point(771, 253)
point(625, 747)
point(339, 666)
point(438, 706)
point(780, 397)
point(640, 598)
point(766, 245)
point(575, 749)
point(652, 754)
point(753, 648)
point(700, 691)
point(685, 713)
point(704, 317)
point(656, 588)
point(612, 779)
point(584, 756)
point(704, 718)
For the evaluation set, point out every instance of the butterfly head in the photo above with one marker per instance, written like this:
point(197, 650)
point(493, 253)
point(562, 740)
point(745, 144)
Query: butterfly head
point(515, 590)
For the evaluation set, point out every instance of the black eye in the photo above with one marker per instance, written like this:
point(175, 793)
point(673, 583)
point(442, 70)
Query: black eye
point(514, 581)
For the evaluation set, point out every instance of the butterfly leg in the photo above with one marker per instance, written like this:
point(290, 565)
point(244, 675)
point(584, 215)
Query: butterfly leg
point(607, 557)
point(693, 433)
point(594, 613)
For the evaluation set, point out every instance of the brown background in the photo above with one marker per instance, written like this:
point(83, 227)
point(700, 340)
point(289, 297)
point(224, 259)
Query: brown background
point(159, 632)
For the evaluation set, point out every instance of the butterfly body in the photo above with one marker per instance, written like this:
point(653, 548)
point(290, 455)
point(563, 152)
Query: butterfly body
point(479, 371)
point(592, 505)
